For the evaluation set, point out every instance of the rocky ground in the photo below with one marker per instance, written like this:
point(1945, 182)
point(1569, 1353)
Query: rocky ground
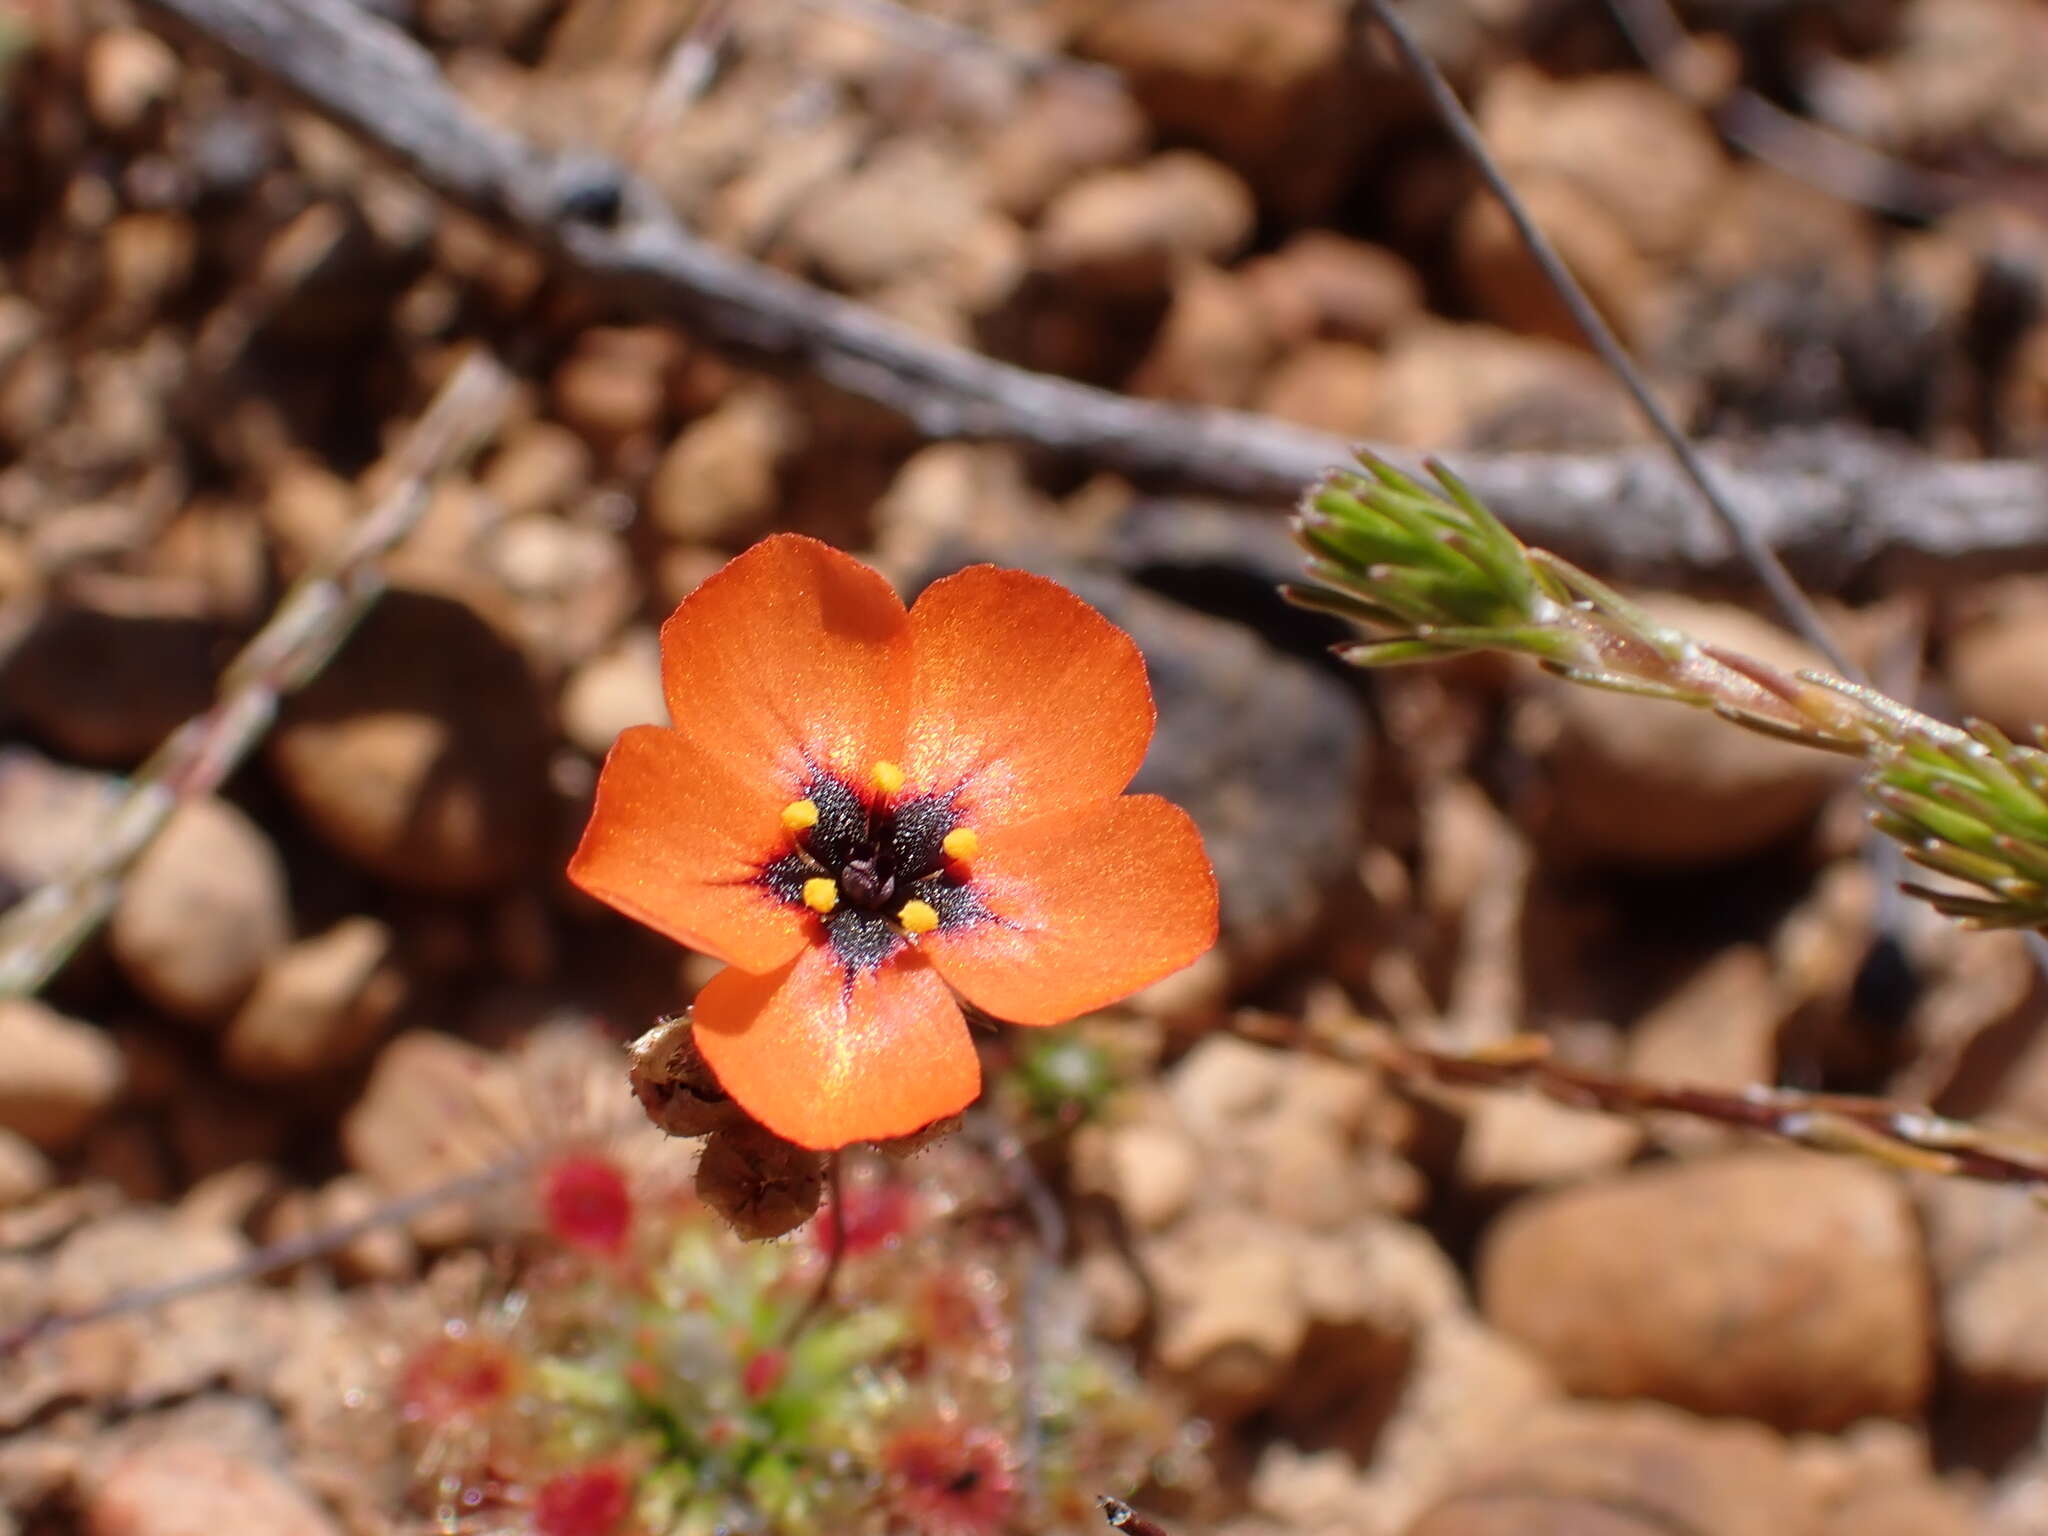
point(1341, 1304)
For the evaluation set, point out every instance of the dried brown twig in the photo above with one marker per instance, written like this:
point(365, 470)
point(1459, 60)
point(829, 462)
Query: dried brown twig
point(1835, 508)
point(1897, 1135)
point(39, 932)
point(1126, 1519)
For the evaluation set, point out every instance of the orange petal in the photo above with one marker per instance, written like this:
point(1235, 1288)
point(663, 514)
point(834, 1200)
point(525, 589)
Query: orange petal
point(1084, 908)
point(675, 841)
point(1025, 699)
point(825, 1055)
point(792, 650)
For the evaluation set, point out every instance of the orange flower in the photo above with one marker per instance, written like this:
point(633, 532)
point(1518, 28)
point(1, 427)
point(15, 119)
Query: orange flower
point(858, 807)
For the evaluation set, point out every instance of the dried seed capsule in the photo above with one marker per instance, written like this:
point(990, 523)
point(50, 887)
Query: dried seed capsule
point(762, 1185)
point(674, 1086)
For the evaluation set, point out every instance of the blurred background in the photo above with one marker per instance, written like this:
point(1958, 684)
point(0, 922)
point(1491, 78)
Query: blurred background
point(254, 372)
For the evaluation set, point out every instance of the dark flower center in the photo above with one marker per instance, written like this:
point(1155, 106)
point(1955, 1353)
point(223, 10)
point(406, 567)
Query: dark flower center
point(873, 864)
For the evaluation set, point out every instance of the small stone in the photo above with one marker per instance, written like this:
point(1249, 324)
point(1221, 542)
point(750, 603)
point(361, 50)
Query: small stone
point(1270, 87)
point(1509, 289)
point(181, 1487)
point(1910, 1509)
point(184, 1345)
point(1478, 386)
point(1718, 1029)
point(1323, 286)
point(1067, 127)
point(381, 1253)
point(1224, 1082)
point(1232, 1320)
point(614, 690)
point(57, 1076)
point(129, 75)
point(1123, 232)
point(718, 481)
point(614, 385)
point(202, 912)
point(50, 816)
point(435, 1108)
point(571, 585)
point(1516, 1141)
point(1212, 345)
point(905, 209)
point(1777, 1285)
point(306, 508)
point(148, 258)
point(539, 467)
point(1645, 157)
point(1332, 386)
point(109, 687)
point(1688, 790)
point(1994, 661)
point(1639, 1470)
point(25, 1172)
point(319, 1005)
point(421, 752)
point(1156, 1169)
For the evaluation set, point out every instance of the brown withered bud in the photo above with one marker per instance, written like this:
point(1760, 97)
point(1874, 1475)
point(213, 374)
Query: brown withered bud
point(762, 1185)
point(674, 1085)
point(917, 1141)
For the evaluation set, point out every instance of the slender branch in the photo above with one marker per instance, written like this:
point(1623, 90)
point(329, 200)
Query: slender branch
point(40, 931)
point(1126, 1519)
point(1897, 1135)
point(1837, 508)
point(265, 1260)
point(1792, 603)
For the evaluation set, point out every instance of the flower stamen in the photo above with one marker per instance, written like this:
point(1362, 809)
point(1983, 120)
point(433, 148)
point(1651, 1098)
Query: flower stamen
point(886, 777)
point(800, 815)
point(917, 916)
point(961, 844)
point(821, 895)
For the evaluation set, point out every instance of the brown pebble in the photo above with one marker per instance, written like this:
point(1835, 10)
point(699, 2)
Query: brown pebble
point(318, 1006)
point(202, 912)
point(1783, 1286)
point(421, 751)
point(1635, 1470)
point(57, 1075)
point(182, 1487)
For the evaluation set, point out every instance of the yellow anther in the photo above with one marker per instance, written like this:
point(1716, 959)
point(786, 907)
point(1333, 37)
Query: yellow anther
point(820, 894)
point(888, 778)
point(800, 815)
point(918, 917)
point(961, 843)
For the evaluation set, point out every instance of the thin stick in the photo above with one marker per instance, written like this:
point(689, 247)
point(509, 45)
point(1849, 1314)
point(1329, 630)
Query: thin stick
point(1844, 507)
point(684, 77)
point(1126, 1519)
point(1794, 604)
point(265, 1260)
point(1900, 1136)
point(936, 34)
point(1049, 1225)
point(835, 1225)
point(42, 930)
